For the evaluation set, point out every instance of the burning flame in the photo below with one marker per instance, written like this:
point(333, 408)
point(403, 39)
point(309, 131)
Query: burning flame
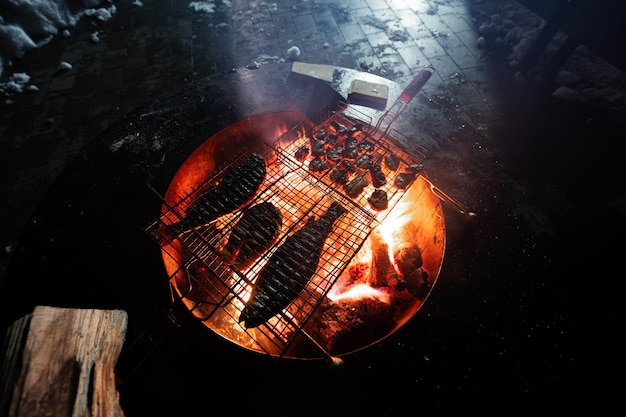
point(400, 216)
point(360, 292)
point(390, 232)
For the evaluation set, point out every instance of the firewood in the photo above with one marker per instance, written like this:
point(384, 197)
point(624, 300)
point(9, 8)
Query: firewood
point(68, 363)
point(381, 265)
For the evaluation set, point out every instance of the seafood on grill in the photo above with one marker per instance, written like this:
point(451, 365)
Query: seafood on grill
point(255, 232)
point(289, 269)
point(237, 188)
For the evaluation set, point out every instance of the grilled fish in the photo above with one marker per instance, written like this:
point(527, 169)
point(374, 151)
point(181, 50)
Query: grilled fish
point(289, 269)
point(253, 234)
point(236, 189)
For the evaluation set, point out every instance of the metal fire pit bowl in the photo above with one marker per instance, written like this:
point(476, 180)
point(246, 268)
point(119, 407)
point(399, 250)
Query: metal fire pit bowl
point(342, 310)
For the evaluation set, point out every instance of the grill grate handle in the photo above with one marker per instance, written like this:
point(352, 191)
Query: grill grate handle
point(410, 91)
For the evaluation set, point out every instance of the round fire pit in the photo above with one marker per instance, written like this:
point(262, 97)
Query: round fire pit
point(377, 266)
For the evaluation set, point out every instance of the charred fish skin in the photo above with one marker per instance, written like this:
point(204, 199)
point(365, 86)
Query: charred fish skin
point(236, 189)
point(255, 232)
point(289, 269)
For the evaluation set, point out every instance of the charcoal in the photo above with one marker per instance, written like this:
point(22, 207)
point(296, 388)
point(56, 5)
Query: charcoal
point(392, 161)
point(364, 161)
point(318, 148)
point(356, 186)
point(378, 200)
point(302, 153)
point(318, 164)
point(404, 179)
point(378, 176)
point(339, 175)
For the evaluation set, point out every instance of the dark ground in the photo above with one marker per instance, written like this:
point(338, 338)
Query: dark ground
point(523, 320)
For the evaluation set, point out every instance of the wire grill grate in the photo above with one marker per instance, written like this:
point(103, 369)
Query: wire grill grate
point(209, 283)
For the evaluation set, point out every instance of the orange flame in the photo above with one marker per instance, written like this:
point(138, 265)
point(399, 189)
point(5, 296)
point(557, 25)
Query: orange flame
point(395, 223)
point(360, 292)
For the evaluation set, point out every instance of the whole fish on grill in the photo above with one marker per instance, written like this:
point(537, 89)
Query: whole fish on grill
point(236, 189)
point(256, 230)
point(289, 269)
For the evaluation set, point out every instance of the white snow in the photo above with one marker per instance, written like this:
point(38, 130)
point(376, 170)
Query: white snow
point(209, 7)
point(64, 66)
point(293, 52)
point(202, 6)
point(264, 59)
point(15, 84)
point(583, 77)
point(29, 24)
point(102, 14)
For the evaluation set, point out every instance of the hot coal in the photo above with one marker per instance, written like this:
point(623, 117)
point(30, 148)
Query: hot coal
point(302, 152)
point(378, 200)
point(378, 176)
point(356, 186)
point(339, 175)
point(392, 161)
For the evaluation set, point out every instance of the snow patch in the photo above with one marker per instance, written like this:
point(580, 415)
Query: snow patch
point(293, 52)
point(264, 59)
point(65, 66)
point(102, 14)
point(202, 6)
point(15, 84)
point(30, 24)
point(565, 93)
point(209, 7)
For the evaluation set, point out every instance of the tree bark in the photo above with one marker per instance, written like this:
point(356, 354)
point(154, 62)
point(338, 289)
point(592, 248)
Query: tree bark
point(68, 364)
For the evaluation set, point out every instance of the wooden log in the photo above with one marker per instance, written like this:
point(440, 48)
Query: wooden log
point(381, 265)
point(68, 364)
